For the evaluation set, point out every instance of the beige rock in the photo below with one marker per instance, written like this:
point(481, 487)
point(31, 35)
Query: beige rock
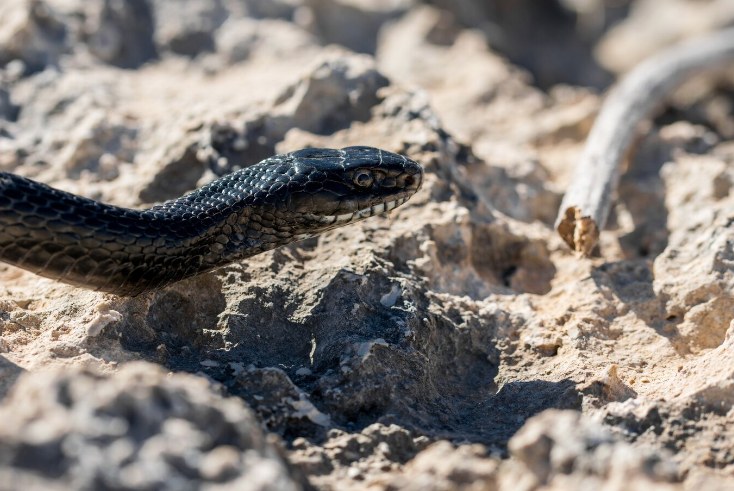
point(405, 351)
point(650, 28)
point(142, 427)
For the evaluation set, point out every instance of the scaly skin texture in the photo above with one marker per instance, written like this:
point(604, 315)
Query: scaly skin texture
point(282, 199)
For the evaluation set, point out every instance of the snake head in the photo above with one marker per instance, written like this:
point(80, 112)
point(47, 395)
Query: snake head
point(301, 194)
point(330, 188)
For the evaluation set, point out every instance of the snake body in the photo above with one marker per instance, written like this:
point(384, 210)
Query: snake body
point(123, 251)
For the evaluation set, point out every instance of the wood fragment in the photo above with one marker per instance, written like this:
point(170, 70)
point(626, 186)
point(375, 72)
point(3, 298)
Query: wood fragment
point(586, 204)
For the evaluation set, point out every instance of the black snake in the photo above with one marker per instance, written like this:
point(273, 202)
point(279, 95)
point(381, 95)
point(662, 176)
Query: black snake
point(280, 200)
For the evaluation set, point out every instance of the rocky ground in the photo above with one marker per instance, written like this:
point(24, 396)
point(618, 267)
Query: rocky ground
point(456, 344)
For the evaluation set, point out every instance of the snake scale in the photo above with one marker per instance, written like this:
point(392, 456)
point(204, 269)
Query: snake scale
point(280, 200)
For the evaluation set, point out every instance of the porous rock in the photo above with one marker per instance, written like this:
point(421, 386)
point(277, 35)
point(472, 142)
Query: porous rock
point(188, 27)
point(31, 32)
point(140, 428)
point(561, 450)
point(441, 467)
point(637, 37)
point(8, 110)
point(120, 32)
point(452, 321)
point(351, 23)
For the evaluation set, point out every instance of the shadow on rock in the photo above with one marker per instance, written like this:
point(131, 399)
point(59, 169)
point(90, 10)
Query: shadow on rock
point(175, 327)
point(631, 282)
point(313, 350)
point(9, 373)
point(516, 402)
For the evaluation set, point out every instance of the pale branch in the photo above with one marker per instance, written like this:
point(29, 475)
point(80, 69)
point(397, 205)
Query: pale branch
point(586, 203)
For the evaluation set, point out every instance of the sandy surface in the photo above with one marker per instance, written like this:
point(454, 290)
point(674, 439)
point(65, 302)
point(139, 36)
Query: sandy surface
point(456, 344)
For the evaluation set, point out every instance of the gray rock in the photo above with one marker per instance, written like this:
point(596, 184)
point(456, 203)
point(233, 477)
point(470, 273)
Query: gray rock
point(352, 23)
point(275, 9)
point(562, 450)
point(441, 467)
point(530, 33)
point(32, 32)
point(8, 110)
point(451, 321)
point(120, 32)
point(281, 405)
point(187, 27)
point(240, 38)
point(137, 429)
point(340, 89)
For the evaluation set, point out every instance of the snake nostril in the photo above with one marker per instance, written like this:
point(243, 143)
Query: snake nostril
point(409, 180)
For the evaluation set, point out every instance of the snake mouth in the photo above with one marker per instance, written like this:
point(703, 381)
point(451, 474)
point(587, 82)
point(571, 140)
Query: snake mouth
point(329, 220)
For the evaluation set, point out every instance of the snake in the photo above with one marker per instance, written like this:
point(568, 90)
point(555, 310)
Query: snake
point(127, 252)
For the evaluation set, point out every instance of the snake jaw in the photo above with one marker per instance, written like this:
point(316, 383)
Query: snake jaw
point(339, 220)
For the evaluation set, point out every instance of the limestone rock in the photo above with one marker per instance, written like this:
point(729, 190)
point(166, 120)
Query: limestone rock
point(137, 429)
point(402, 352)
point(560, 450)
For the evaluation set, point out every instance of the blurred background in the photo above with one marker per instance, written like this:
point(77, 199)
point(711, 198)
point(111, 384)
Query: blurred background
point(579, 42)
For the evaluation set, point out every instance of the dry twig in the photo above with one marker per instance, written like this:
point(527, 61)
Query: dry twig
point(586, 204)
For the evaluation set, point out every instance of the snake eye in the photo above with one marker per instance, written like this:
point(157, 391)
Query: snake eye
point(363, 178)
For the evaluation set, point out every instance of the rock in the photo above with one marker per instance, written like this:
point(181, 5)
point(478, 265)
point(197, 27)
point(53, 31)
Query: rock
point(338, 89)
point(441, 467)
point(695, 276)
point(281, 405)
point(351, 23)
point(462, 76)
point(637, 37)
point(239, 39)
point(560, 450)
point(188, 27)
point(365, 456)
point(342, 89)
point(140, 428)
point(479, 96)
point(8, 110)
point(32, 32)
point(120, 32)
point(181, 169)
point(527, 33)
point(279, 9)
point(401, 352)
